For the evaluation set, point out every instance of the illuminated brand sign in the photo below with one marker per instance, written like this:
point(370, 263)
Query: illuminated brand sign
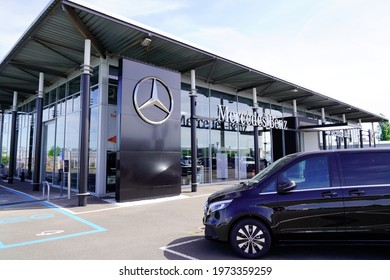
point(213, 124)
point(156, 88)
point(339, 133)
point(243, 119)
point(233, 121)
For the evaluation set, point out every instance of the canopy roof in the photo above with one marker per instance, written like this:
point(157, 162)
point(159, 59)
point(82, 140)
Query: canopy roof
point(54, 45)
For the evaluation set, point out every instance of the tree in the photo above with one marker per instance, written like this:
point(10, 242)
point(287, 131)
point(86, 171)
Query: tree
point(57, 151)
point(385, 129)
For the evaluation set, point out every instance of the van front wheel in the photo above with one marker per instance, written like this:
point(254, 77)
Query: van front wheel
point(250, 238)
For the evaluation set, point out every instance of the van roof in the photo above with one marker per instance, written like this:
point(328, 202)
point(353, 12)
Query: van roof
point(353, 150)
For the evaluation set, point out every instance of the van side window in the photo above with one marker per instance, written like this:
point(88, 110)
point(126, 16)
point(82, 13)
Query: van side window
point(309, 173)
point(365, 168)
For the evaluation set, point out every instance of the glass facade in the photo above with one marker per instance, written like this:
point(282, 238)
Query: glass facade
point(60, 139)
point(225, 150)
point(6, 145)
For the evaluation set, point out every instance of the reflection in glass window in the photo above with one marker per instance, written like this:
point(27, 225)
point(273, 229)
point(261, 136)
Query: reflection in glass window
point(53, 96)
point(62, 92)
point(113, 93)
point(45, 114)
point(202, 102)
point(46, 100)
point(309, 173)
point(72, 145)
point(69, 105)
point(365, 168)
point(23, 143)
point(6, 139)
point(77, 102)
point(94, 96)
point(60, 136)
point(61, 108)
point(93, 142)
point(52, 112)
point(95, 76)
point(74, 86)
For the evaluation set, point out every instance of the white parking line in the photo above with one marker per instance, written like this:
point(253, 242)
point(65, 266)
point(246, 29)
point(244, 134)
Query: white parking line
point(167, 249)
point(119, 205)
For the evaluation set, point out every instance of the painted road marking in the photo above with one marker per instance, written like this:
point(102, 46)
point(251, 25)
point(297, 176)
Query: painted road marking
point(12, 228)
point(119, 205)
point(50, 232)
point(168, 249)
point(21, 219)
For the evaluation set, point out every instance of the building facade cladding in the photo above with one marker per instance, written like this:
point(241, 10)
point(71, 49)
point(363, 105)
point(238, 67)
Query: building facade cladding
point(225, 150)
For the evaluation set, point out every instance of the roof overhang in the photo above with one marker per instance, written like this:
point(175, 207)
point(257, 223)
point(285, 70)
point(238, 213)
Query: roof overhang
point(329, 127)
point(54, 45)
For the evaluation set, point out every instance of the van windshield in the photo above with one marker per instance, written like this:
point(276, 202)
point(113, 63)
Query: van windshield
point(269, 169)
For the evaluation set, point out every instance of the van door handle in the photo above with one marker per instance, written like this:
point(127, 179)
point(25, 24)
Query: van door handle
point(329, 194)
point(356, 193)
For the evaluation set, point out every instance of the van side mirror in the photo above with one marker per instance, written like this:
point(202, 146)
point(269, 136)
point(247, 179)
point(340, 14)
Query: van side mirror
point(286, 186)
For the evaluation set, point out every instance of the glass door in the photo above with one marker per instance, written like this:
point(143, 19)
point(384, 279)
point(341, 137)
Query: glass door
point(49, 151)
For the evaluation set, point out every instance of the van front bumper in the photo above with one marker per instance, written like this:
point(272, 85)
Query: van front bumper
point(216, 228)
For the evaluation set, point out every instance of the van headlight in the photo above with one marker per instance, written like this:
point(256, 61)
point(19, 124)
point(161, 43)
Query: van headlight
point(218, 205)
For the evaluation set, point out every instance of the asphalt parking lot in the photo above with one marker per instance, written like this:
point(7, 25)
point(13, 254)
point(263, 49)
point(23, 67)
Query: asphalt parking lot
point(158, 229)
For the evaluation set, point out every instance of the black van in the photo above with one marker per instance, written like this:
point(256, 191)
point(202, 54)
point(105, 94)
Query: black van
point(340, 195)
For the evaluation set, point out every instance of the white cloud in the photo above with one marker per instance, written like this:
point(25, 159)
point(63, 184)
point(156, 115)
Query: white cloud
point(340, 51)
point(136, 8)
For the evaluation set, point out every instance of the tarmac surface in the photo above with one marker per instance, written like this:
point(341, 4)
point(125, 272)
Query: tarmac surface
point(32, 228)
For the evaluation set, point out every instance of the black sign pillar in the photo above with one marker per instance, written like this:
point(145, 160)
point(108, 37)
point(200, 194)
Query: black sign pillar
point(148, 136)
point(194, 150)
point(12, 158)
point(38, 135)
point(256, 133)
point(84, 126)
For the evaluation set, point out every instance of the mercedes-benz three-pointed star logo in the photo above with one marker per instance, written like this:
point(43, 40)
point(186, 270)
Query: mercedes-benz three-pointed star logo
point(154, 100)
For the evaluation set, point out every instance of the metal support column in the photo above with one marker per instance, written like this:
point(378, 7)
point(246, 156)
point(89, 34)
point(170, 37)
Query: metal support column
point(296, 123)
point(361, 133)
point(256, 133)
point(194, 150)
point(84, 125)
point(369, 138)
point(345, 133)
point(1, 134)
point(12, 157)
point(38, 134)
point(323, 119)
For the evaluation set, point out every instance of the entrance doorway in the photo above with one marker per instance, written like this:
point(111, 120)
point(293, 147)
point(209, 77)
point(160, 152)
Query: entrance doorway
point(50, 152)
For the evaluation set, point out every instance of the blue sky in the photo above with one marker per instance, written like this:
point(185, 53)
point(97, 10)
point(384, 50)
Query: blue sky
point(340, 48)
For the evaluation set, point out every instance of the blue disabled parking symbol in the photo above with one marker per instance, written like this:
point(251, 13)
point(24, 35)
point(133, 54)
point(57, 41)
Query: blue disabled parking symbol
point(33, 221)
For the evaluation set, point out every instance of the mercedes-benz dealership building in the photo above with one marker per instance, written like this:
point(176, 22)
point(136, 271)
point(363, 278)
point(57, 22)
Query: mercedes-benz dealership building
point(112, 107)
